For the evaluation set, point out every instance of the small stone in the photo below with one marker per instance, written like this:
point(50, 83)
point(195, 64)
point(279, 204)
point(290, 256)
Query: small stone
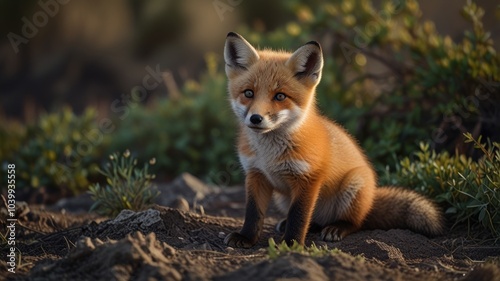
point(181, 203)
point(201, 210)
point(222, 234)
point(262, 250)
point(205, 247)
point(168, 250)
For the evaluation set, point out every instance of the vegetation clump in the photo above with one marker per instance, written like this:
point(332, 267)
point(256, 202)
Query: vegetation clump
point(127, 186)
point(469, 190)
point(58, 152)
point(276, 250)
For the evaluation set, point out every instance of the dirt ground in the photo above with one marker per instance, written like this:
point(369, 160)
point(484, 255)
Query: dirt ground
point(63, 242)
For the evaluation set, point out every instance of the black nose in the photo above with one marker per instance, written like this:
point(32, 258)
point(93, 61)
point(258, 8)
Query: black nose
point(256, 119)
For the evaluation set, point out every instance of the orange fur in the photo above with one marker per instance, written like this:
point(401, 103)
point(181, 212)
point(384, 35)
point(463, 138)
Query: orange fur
point(315, 169)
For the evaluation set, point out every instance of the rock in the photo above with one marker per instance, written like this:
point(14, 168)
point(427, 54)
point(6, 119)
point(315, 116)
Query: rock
point(140, 220)
point(127, 222)
point(180, 203)
point(77, 205)
point(187, 187)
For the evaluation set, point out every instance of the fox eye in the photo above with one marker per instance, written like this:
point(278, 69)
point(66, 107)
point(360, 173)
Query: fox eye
point(279, 96)
point(248, 93)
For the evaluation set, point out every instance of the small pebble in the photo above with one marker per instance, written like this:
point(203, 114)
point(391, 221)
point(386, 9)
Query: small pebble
point(181, 203)
point(222, 234)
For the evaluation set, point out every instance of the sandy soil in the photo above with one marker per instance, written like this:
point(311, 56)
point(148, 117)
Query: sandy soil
point(163, 243)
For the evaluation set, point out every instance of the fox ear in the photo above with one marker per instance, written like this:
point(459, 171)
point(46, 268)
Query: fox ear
point(238, 54)
point(307, 63)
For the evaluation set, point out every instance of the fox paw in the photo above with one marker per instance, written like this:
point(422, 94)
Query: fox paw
point(332, 233)
point(237, 240)
point(281, 226)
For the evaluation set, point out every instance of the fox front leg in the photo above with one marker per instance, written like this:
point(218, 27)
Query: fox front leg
point(304, 194)
point(259, 192)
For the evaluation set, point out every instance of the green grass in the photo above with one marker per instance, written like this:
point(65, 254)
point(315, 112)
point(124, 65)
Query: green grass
point(276, 250)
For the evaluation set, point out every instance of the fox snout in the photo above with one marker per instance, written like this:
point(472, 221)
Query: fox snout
point(262, 119)
point(263, 123)
point(256, 119)
point(258, 122)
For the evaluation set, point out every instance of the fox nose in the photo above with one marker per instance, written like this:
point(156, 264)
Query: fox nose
point(256, 119)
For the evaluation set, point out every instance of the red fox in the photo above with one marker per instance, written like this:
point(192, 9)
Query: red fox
point(313, 168)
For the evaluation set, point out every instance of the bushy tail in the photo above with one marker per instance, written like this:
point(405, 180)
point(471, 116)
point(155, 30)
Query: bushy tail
point(402, 208)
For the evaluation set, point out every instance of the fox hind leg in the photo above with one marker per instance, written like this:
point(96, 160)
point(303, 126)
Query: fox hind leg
point(337, 231)
point(350, 205)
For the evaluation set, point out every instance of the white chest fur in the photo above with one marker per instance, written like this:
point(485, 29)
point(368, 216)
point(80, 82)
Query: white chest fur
point(270, 158)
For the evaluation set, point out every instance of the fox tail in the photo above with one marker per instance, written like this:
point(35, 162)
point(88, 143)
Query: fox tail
point(402, 208)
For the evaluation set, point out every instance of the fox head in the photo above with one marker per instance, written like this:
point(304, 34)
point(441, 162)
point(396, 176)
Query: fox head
point(271, 90)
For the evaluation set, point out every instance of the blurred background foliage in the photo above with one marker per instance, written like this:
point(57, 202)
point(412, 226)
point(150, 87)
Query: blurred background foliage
point(54, 157)
point(192, 132)
point(398, 74)
point(394, 81)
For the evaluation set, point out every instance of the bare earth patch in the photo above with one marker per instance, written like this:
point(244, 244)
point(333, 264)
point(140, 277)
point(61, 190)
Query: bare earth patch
point(169, 244)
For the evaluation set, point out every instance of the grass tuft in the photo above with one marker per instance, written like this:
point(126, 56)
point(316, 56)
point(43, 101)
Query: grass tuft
point(128, 187)
point(276, 250)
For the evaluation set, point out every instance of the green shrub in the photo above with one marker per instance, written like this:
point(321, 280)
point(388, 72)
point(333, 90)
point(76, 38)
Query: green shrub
point(193, 133)
point(54, 153)
point(11, 135)
point(391, 79)
point(469, 190)
point(127, 187)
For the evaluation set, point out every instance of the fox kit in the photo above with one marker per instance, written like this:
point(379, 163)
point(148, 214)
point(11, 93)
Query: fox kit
point(312, 167)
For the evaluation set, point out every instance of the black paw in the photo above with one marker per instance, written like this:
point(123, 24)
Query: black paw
point(332, 233)
point(281, 226)
point(289, 242)
point(237, 240)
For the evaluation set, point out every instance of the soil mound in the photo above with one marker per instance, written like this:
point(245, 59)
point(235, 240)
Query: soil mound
point(168, 244)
